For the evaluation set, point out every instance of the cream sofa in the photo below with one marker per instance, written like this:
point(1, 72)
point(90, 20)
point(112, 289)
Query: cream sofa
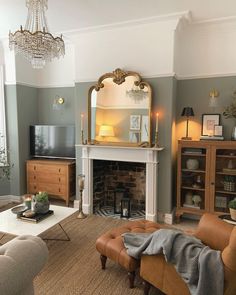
point(21, 260)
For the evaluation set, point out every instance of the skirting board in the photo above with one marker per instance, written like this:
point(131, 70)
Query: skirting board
point(4, 200)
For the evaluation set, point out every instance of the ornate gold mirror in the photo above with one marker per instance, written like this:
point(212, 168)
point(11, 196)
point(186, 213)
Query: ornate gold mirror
point(119, 110)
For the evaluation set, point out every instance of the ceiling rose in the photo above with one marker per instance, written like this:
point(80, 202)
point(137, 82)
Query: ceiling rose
point(35, 42)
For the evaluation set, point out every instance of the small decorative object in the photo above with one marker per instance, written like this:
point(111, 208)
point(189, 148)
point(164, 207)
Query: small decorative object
point(82, 128)
point(187, 112)
point(229, 183)
point(218, 130)
point(192, 164)
point(197, 200)
point(208, 124)
point(230, 164)
point(81, 179)
point(29, 213)
point(19, 210)
point(189, 198)
point(41, 204)
point(28, 200)
point(230, 112)
point(125, 208)
point(58, 103)
point(198, 182)
point(120, 193)
point(232, 208)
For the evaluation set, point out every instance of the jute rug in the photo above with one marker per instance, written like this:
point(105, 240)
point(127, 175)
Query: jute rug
point(74, 267)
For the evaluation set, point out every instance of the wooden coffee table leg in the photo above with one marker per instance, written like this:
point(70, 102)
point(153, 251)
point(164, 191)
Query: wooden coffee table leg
point(103, 261)
point(147, 287)
point(131, 276)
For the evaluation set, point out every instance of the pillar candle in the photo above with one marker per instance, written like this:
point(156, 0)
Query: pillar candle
point(157, 115)
point(82, 122)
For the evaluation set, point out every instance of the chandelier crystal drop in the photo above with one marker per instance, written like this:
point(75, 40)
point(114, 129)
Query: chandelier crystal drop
point(35, 42)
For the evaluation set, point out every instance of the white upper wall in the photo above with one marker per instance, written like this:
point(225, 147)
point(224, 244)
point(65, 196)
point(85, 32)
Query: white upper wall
point(206, 49)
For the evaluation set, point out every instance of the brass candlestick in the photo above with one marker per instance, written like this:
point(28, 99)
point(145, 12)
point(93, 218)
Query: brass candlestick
point(82, 137)
point(156, 139)
point(81, 178)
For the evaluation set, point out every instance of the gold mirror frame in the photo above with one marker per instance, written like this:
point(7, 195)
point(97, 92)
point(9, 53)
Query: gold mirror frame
point(118, 77)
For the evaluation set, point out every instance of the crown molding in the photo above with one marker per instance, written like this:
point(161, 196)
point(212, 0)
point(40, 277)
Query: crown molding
point(131, 23)
point(12, 83)
point(204, 76)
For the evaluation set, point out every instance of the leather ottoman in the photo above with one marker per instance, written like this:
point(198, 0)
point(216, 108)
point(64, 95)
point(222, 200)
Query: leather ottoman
point(110, 245)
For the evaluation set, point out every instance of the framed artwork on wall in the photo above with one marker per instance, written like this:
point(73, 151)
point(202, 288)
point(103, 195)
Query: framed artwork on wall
point(135, 122)
point(208, 123)
point(144, 129)
point(218, 130)
point(134, 136)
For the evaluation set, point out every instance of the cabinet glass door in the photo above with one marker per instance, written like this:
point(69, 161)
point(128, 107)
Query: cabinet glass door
point(225, 179)
point(193, 178)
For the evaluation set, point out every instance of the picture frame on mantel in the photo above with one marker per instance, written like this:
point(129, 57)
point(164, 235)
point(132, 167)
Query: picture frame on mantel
point(208, 124)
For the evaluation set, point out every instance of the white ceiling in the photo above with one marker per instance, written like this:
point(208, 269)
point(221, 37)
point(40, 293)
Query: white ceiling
point(67, 15)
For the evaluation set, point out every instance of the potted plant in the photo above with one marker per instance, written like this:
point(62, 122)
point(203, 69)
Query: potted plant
point(230, 112)
point(229, 183)
point(232, 209)
point(5, 168)
point(41, 203)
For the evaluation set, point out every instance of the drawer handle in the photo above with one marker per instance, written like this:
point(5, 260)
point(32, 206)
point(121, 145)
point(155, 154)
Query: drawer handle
point(59, 190)
point(59, 170)
point(59, 179)
point(34, 177)
point(35, 186)
point(34, 167)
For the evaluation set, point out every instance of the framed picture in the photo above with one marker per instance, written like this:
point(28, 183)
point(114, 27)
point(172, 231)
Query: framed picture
point(218, 130)
point(135, 122)
point(134, 137)
point(145, 129)
point(208, 123)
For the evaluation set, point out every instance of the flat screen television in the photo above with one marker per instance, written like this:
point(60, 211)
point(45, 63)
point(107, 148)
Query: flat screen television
point(52, 141)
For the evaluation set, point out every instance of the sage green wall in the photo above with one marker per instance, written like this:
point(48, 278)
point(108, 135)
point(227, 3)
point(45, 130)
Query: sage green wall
point(195, 93)
point(46, 114)
point(163, 102)
point(21, 111)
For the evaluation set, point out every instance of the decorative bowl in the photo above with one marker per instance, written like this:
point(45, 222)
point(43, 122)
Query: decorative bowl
point(19, 210)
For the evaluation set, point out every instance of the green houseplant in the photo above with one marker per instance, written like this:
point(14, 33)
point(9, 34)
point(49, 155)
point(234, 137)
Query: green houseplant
point(232, 208)
point(5, 168)
point(41, 203)
point(230, 112)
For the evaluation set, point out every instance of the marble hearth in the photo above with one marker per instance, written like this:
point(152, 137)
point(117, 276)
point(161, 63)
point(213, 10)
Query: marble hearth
point(149, 156)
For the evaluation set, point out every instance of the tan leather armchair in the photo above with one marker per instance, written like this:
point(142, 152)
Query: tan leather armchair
point(213, 232)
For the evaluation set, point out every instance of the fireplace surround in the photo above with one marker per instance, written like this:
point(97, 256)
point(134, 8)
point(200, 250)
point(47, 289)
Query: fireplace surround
point(149, 156)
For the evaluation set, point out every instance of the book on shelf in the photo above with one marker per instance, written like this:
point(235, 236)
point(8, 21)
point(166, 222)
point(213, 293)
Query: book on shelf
point(206, 137)
point(191, 206)
point(193, 151)
point(227, 218)
point(229, 170)
point(37, 217)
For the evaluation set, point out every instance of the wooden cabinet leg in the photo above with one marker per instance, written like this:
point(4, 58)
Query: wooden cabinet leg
point(131, 276)
point(147, 287)
point(103, 261)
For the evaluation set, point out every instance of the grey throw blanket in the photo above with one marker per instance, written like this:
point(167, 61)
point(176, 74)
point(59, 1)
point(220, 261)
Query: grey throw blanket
point(199, 266)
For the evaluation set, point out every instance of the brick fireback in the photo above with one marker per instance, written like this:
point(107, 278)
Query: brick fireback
point(107, 175)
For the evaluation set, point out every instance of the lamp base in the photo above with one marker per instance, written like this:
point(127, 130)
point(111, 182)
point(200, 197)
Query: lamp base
point(81, 215)
point(186, 138)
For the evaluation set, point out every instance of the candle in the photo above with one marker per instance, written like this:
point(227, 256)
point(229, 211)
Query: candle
point(157, 115)
point(82, 122)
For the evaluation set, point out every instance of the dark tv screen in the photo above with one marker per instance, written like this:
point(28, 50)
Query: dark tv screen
point(52, 141)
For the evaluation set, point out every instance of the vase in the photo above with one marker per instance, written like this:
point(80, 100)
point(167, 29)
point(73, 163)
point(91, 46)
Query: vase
point(233, 135)
point(232, 213)
point(41, 207)
point(192, 164)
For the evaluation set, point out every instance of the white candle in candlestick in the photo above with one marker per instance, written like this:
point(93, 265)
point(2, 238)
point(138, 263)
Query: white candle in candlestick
point(82, 122)
point(157, 115)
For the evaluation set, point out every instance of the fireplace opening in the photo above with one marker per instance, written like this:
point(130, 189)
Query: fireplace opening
point(119, 189)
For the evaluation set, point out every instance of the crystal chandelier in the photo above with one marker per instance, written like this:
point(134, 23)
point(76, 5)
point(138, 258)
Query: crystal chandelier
point(35, 42)
point(136, 94)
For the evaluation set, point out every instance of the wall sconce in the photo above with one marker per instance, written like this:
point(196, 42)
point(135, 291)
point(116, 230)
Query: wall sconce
point(106, 131)
point(58, 103)
point(187, 112)
point(214, 102)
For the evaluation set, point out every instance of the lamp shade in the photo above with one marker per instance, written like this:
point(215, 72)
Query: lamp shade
point(187, 112)
point(106, 130)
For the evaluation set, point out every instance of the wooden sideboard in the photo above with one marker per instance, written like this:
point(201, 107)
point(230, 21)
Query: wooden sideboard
point(56, 177)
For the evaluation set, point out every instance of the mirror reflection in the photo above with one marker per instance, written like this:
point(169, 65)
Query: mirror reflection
point(120, 112)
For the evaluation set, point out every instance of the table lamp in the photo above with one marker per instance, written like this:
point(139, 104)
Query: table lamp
point(187, 112)
point(106, 131)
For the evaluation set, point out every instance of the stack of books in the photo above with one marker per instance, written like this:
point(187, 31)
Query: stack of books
point(206, 137)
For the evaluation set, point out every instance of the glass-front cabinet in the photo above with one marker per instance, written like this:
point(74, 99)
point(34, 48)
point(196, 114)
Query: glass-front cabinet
point(206, 177)
point(224, 178)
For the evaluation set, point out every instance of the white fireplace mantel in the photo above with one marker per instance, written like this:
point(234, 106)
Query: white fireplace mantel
point(149, 156)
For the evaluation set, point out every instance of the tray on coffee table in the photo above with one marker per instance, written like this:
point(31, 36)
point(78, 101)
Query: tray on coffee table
point(38, 217)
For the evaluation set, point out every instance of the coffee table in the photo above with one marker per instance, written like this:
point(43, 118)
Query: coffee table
point(9, 224)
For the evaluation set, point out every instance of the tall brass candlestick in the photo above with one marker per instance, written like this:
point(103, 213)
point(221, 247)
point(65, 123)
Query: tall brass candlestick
point(156, 139)
point(81, 178)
